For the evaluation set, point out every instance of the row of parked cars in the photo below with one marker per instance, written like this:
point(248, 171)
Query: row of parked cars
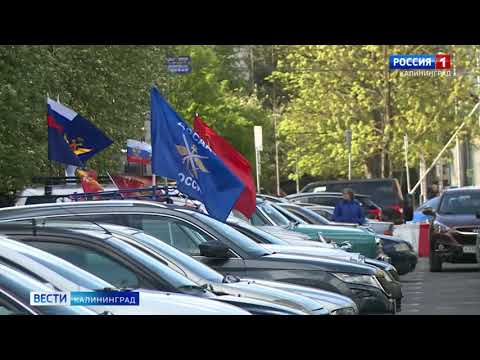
point(287, 259)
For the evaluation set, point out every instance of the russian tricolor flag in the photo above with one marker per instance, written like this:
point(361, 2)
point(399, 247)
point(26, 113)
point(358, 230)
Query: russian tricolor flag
point(72, 139)
point(138, 152)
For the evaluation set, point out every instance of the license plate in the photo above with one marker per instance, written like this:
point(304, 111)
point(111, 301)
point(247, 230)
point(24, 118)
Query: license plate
point(469, 250)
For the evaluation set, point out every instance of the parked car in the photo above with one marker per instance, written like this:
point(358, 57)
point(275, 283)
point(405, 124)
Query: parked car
point(112, 259)
point(419, 216)
point(361, 241)
point(15, 289)
point(454, 228)
point(279, 246)
point(225, 284)
point(384, 192)
point(225, 249)
point(399, 252)
point(370, 209)
point(307, 214)
point(63, 276)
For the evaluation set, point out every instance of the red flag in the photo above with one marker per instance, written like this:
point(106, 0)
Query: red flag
point(89, 181)
point(234, 161)
point(126, 182)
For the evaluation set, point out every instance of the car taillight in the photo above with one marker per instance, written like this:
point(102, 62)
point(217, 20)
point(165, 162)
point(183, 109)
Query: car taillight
point(376, 212)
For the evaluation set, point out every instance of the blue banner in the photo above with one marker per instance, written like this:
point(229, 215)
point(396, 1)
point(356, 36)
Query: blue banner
point(180, 153)
point(105, 298)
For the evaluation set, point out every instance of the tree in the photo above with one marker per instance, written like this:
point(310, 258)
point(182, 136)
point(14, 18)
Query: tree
point(334, 88)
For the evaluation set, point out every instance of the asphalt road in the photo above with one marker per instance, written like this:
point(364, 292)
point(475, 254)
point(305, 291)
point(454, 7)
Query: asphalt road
point(454, 291)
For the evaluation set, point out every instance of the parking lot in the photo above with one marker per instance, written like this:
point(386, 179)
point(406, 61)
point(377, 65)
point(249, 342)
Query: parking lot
point(454, 291)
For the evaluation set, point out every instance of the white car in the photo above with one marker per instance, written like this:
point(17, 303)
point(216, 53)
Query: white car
point(31, 261)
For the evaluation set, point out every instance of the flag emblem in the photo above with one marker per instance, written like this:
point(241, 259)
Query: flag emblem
point(191, 158)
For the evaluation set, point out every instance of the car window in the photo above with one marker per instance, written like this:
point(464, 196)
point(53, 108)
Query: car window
point(179, 258)
point(278, 218)
point(326, 214)
point(309, 215)
point(20, 285)
point(94, 262)
point(321, 200)
point(460, 203)
point(240, 240)
point(174, 232)
point(258, 220)
point(32, 200)
point(8, 307)
point(382, 192)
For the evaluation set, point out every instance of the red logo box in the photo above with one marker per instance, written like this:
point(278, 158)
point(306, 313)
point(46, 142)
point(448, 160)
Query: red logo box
point(442, 62)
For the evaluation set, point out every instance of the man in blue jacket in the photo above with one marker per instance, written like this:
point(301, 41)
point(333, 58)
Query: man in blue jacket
point(348, 210)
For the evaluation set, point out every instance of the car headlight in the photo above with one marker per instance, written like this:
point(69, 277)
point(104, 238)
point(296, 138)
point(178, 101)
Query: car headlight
point(440, 228)
point(383, 274)
point(358, 279)
point(401, 247)
point(344, 311)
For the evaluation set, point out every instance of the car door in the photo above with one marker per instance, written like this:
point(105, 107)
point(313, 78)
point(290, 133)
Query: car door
point(186, 237)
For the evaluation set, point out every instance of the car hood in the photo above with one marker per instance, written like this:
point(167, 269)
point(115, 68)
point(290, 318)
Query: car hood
point(283, 233)
point(309, 243)
point(250, 289)
point(331, 301)
point(392, 239)
point(316, 252)
point(160, 303)
point(329, 231)
point(458, 220)
point(300, 262)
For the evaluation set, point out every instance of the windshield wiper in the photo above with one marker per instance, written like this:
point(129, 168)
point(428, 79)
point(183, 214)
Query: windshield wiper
point(202, 288)
point(115, 289)
point(228, 279)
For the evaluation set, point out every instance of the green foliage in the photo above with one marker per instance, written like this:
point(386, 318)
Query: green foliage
point(110, 86)
point(333, 88)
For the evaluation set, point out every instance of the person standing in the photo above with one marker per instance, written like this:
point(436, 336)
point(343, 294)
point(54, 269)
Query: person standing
point(348, 210)
point(434, 191)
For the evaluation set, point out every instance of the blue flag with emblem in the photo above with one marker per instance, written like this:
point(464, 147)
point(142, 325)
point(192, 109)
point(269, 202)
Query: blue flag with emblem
point(180, 153)
point(72, 139)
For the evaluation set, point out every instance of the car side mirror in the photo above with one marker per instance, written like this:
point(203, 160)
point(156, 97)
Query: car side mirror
point(428, 211)
point(214, 249)
point(346, 246)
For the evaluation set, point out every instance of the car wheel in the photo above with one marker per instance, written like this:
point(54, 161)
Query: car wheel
point(435, 262)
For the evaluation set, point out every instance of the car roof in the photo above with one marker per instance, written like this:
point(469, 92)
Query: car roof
point(349, 181)
point(322, 193)
point(464, 188)
point(74, 206)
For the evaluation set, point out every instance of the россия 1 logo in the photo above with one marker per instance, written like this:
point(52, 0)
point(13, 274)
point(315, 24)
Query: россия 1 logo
point(420, 62)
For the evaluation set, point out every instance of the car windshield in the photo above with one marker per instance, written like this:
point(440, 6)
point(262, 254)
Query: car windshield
point(260, 235)
point(460, 203)
point(61, 267)
point(292, 217)
point(179, 258)
point(240, 240)
point(164, 272)
point(309, 215)
point(277, 217)
point(21, 285)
